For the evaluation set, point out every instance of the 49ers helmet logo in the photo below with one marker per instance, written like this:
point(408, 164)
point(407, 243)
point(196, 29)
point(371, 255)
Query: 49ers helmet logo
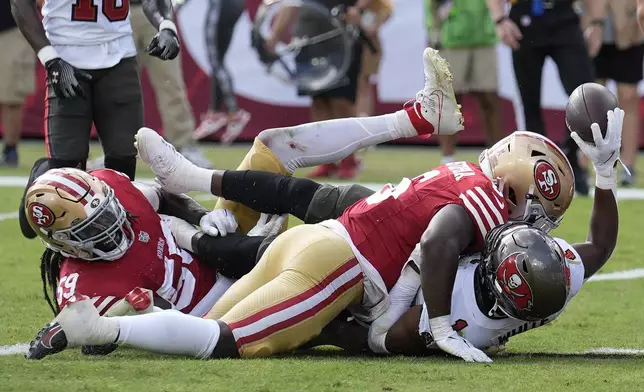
point(41, 215)
point(512, 282)
point(547, 180)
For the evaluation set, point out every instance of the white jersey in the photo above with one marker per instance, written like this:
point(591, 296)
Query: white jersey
point(466, 317)
point(89, 34)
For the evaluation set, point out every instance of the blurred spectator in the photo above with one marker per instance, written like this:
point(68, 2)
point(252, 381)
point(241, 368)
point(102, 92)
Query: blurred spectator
point(340, 102)
point(167, 80)
point(465, 33)
point(536, 29)
point(17, 66)
point(221, 18)
point(616, 43)
point(376, 14)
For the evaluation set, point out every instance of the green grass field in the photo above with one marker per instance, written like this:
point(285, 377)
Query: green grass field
point(606, 314)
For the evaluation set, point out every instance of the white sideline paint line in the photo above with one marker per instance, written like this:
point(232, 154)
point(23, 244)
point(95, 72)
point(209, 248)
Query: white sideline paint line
point(14, 349)
point(22, 348)
point(619, 275)
point(8, 215)
point(613, 351)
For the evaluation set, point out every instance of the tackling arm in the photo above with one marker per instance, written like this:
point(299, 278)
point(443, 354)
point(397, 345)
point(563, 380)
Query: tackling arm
point(450, 231)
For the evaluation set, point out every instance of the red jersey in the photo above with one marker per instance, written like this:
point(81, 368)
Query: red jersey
point(153, 261)
point(386, 226)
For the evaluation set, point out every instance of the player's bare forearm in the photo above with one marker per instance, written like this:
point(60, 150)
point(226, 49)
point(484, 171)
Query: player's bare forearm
point(448, 234)
point(157, 11)
point(403, 337)
point(602, 236)
point(25, 13)
point(181, 206)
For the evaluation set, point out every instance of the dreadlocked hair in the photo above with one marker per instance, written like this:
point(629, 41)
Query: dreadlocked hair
point(49, 271)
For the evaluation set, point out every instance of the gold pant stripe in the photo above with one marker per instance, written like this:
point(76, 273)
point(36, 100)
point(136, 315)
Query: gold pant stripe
point(298, 308)
point(304, 280)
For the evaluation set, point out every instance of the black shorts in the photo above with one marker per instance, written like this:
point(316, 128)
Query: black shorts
point(620, 65)
point(113, 104)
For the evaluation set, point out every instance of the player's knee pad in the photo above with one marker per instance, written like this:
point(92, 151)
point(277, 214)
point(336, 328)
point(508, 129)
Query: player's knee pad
point(260, 158)
point(125, 165)
point(329, 202)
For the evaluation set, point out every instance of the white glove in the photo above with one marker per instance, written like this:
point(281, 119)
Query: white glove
point(218, 223)
point(605, 153)
point(268, 225)
point(452, 343)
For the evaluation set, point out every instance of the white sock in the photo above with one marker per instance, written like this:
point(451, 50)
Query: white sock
point(330, 141)
point(169, 332)
point(198, 179)
point(83, 325)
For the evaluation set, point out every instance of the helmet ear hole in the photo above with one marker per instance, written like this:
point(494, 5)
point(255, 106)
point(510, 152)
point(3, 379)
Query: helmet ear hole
point(536, 153)
point(525, 266)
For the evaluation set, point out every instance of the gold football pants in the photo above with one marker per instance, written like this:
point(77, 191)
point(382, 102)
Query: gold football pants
point(306, 277)
point(261, 158)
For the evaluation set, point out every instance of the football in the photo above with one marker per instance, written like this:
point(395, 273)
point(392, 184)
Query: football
point(589, 104)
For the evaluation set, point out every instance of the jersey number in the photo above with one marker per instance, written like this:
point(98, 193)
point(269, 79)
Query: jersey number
point(86, 11)
point(396, 191)
point(66, 287)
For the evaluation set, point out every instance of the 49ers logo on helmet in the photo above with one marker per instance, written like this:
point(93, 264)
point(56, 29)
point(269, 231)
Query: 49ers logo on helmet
point(512, 282)
point(41, 215)
point(547, 180)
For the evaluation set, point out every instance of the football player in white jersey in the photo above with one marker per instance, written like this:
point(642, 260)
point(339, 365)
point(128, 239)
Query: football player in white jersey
point(88, 51)
point(497, 295)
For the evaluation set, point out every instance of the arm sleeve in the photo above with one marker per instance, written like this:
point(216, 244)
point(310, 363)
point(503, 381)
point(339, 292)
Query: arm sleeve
point(233, 255)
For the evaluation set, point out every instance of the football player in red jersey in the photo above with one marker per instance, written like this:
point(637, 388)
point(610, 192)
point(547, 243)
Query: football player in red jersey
point(321, 269)
point(510, 289)
point(105, 238)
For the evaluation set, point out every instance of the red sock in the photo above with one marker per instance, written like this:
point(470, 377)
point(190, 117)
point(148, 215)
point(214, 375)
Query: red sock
point(422, 126)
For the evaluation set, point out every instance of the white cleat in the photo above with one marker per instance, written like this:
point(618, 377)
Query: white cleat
point(436, 101)
point(171, 168)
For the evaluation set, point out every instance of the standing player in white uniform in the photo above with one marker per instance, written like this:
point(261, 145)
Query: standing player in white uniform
point(497, 293)
point(92, 76)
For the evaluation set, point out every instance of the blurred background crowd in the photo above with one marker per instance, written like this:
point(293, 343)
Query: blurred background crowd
point(586, 40)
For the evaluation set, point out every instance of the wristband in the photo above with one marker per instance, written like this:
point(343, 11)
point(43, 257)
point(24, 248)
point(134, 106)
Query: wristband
point(606, 182)
point(441, 328)
point(500, 20)
point(168, 25)
point(47, 54)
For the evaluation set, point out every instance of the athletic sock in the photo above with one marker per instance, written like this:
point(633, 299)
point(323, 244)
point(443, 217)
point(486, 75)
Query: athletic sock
point(333, 140)
point(169, 332)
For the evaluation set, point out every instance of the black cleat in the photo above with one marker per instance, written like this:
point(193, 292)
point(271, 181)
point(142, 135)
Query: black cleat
point(50, 340)
point(39, 168)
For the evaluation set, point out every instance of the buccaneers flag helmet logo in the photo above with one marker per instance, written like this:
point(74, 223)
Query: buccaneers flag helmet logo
point(512, 283)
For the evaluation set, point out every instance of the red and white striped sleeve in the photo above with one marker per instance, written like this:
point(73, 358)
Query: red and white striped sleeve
point(486, 207)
